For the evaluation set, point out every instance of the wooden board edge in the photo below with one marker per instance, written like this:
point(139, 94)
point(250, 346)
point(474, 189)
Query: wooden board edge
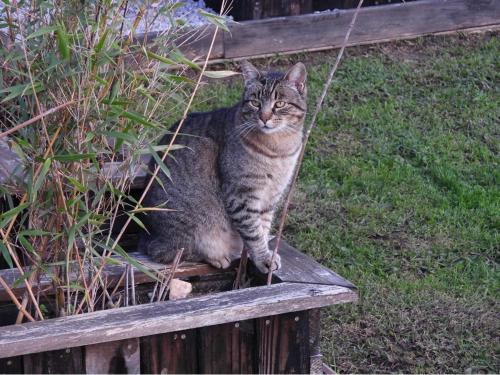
point(471, 30)
point(169, 316)
point(459, 14)
point(313, 271)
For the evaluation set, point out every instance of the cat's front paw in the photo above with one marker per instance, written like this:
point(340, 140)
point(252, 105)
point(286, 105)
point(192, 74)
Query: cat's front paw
point(264, 263)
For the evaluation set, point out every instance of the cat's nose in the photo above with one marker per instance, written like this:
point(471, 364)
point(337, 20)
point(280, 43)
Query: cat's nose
point(265, 116)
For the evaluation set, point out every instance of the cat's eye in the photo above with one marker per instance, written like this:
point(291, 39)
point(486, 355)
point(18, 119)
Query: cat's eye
point(255, 103)
point(279, 104)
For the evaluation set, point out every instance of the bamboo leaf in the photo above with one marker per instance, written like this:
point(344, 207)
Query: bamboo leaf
point(214, 19)
point(34, 232)
point(119, 251)
point(5, 216)
point(154, 56)
point(159, 162)
point(74, 157)
point(20, 90)
point(137, 221)
point(27, 245)
point(42, 31)
point(6, 255)
point(219, 73)
point(23, 278)
point(102, 40)
point(40, 179)
point(137, 117)
point(63, 42)
point(177, 79)
point(146, 209)
point(75, 227)
point(115, 89)
point(150, 149)
point(178, 57)
point(77, 184)
point(175, 6)
point(129, 137)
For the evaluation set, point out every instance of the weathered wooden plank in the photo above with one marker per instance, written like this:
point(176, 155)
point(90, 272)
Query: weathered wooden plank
point(65, 361)
point(284, 344)
point(115, 357)
point(298, 267)
point(315, 31)
point(112, 272)
point(228, 348)
point(170, 353)
point(169, 316)
point(315, 342)
point(250, 9)
point(13, 365)
point(194, 43)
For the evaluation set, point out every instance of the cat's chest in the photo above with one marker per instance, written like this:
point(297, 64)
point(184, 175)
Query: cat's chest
point(279, 174)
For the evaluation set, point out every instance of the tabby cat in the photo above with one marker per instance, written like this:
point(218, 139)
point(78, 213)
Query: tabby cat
point(227, 181)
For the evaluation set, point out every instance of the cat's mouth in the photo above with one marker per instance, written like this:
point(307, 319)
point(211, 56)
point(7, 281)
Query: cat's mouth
point(269, 129)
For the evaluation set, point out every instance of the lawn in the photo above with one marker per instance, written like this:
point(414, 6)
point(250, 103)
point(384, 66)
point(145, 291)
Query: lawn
point(399, 193)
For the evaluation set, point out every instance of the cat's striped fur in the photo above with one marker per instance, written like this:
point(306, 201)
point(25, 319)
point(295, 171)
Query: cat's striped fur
point(227, 182)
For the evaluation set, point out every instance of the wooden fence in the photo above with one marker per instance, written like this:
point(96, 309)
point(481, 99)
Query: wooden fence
point(319, 31)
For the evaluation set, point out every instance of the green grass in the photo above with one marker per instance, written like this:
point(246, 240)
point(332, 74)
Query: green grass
point(399, 193)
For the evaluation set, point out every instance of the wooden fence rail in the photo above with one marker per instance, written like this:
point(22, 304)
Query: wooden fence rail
point(325, 30)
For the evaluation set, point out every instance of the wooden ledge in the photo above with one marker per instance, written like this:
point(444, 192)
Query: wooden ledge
point(112, 272)
point(296, 267)
point(168, 316)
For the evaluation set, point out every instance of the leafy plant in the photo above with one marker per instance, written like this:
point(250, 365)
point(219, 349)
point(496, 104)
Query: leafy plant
point(79, 96)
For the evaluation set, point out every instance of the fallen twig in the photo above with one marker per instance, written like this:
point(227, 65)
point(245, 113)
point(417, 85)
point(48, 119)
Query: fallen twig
point(14, 299)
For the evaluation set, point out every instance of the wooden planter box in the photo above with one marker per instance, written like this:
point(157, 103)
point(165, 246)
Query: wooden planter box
point(260, 329)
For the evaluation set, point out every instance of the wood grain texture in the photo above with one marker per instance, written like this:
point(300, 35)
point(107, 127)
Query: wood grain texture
point(228, 348)
point(296, 267)
point(315, 342)
point(284, 344)
point(250, 9)
point(112, 272)
point(116, 357)
point(65, 361)
point(13, 365)
point(170, 353)
point(313, 31)
point(299, 268)
point(194, 43)
point(169, 316)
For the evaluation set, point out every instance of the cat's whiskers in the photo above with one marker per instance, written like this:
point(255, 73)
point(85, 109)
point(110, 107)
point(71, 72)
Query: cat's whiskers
point(245, 128)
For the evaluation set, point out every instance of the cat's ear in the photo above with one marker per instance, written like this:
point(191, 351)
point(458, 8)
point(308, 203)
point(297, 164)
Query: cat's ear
point(297, 74)
point(250, 72)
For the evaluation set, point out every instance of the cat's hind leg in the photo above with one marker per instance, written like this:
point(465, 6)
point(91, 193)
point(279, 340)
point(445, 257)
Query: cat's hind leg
point(219, 246)
point(163, 250)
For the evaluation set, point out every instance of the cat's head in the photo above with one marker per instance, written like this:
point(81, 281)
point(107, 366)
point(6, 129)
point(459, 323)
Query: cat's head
point(274, 102)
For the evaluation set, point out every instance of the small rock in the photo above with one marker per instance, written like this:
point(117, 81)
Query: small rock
point(179, 289)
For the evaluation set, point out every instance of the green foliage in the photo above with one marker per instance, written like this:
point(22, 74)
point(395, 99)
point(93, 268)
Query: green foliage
point(74, 52)
point(399, 193)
